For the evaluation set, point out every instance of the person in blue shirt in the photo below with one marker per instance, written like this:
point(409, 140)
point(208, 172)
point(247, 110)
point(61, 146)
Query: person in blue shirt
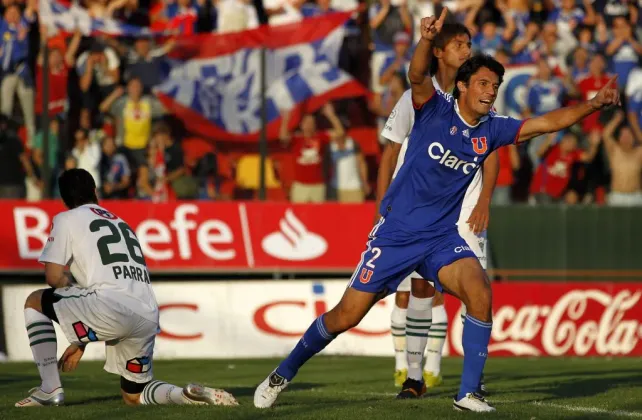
point(545, 91)
point(488, 41)
point(624, 50)
point(451, 138)
point(15, 72)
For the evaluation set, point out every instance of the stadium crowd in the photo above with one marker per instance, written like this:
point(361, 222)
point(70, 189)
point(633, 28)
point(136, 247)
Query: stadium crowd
point(106, 119)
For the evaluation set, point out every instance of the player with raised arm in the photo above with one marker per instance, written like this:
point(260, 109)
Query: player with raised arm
point(425, 306)
point(419, 213)
point(112, 302)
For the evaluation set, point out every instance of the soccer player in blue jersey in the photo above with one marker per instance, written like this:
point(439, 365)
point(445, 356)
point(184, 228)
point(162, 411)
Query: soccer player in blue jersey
point(417, 230)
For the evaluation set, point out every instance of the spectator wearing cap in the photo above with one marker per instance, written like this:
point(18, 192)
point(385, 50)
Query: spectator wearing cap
point(134, 113)
point(386, 21)
point(14, 54)
point(98, 69)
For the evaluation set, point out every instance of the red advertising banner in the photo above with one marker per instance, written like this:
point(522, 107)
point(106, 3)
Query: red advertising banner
point(559, 319)
point(206, 236)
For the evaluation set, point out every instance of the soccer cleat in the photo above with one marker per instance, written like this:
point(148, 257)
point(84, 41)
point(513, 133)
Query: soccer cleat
point(412, 389)
point(202, 395)
point(39, 398)
point(267, 392)
point(400, 377)
point(432, 380)
point(472, 402)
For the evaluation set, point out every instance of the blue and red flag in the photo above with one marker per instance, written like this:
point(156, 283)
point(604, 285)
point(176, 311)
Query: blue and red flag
point(214, 81)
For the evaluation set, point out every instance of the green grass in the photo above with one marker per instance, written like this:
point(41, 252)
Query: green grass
point(351, 388)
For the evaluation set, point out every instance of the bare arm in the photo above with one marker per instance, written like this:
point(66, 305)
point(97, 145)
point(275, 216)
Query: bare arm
point(565, 117)
point(406, 19)
point(337, 126)
point(389, 73)
point(587, 156)
point(363, 172)
point(86, 79)
point(70, 55)
point(613, 46)
point(176, 174)
point(115, 5)
point(380, 16)
point(546, 144)
point(515, 161)
point(591, 17)
point(490, 172)
point(608, 135)
point(386, 169)
point(56, 276)
point(109, 100)
point(143, 180)
point(635, 125)
point(284, 131)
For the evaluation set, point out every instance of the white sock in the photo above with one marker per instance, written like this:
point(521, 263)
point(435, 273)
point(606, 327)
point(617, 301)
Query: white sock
point(398, 329)
point(436, 339)
point(418, 321)
point(160, 393)
point(42, 339)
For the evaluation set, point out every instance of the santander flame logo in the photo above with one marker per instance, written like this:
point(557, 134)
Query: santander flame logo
point(293, 241)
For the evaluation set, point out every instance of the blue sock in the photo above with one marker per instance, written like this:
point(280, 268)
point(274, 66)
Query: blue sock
point(475, 343)
point(315, 339)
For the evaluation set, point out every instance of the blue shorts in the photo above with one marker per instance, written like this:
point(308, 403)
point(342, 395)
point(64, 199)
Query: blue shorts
point(387, 261)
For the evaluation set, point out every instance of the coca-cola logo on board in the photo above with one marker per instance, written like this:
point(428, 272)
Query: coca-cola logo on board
point(580, 322)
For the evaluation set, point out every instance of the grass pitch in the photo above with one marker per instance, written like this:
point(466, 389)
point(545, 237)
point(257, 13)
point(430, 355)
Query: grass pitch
point(350, 388)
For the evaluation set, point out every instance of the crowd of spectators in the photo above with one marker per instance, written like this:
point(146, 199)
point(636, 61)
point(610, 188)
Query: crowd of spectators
point(104, 116)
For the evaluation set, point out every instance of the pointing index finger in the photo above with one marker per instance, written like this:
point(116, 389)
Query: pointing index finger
point(611, 81)
point(442, 17)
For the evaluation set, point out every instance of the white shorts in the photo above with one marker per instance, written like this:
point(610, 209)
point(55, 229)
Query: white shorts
point(86, 317)
point(478, 243)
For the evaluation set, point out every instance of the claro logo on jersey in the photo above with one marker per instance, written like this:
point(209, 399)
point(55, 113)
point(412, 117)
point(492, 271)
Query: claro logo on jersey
point(445, 157)
point(269, 321)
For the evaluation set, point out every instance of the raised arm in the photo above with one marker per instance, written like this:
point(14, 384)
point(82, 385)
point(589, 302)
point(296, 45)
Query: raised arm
point(420, 82)
point(565, 117)
point(337, 127)
point(608, 135)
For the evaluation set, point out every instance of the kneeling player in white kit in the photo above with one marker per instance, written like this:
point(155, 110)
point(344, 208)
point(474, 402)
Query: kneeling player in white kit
point(112, 302)
point(427, 319)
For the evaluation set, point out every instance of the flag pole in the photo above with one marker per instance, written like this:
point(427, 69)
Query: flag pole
point(263, 149)
point(46, 169)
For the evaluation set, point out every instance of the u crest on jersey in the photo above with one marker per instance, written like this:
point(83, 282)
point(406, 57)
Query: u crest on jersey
point(480, 145)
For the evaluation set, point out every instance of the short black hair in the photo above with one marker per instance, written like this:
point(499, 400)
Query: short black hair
point(77, 187)
point(448, 32)
point(472, 66)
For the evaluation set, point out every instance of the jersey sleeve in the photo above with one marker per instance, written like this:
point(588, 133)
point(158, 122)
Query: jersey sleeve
point(438, 104)
point(58, 247)
point(504, 131)
point(400, 121)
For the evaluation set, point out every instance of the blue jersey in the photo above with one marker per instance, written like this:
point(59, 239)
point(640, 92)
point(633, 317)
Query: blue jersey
point(444, 153)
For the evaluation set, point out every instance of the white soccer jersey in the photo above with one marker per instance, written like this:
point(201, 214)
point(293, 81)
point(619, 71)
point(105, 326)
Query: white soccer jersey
point(397, 129)
point(104, 256)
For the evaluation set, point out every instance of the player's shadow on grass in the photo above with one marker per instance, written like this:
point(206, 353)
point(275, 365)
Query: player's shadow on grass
point(106, 398)
point(249, 391)
point(16, 379)
point(587, 387)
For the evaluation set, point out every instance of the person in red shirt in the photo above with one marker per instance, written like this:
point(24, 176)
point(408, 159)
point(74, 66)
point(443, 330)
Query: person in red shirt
point(308, 148)
point(553, 175)
point(509, 162)
point(589, 85)
point(59, 65)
